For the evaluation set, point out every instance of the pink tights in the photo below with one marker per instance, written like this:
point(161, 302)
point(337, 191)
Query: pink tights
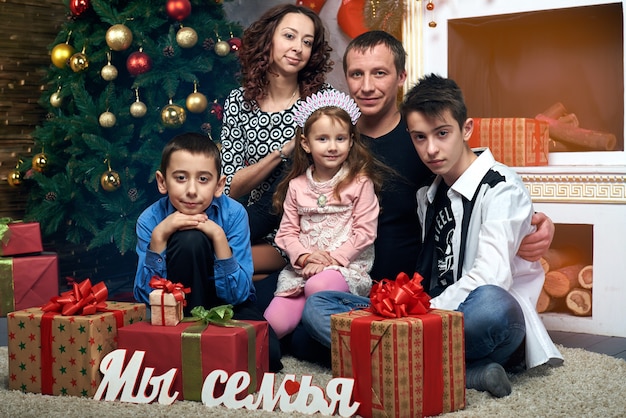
point(284, 313)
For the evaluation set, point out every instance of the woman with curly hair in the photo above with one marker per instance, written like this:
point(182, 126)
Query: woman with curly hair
point(285, 57)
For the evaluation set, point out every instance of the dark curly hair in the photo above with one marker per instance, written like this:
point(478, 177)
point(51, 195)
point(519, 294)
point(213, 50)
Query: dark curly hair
point(255, 51)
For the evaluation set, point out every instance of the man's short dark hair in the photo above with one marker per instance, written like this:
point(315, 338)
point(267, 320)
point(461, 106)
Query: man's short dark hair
point(370, 39)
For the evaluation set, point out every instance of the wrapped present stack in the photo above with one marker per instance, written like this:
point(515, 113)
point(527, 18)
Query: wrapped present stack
point(407, 360)
point(516, 142)
point(196, 346)
point(28, 276)
point(56, 349)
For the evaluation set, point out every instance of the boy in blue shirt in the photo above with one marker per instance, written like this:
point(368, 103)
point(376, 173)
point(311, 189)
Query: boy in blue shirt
point(197, 236)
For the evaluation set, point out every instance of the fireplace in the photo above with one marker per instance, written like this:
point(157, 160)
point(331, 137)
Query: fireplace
point(583, 191)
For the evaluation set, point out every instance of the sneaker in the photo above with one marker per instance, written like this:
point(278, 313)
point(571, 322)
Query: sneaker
point(490, 378)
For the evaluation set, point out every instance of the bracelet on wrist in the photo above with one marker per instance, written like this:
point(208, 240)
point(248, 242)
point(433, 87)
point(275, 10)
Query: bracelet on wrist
point(305, 259)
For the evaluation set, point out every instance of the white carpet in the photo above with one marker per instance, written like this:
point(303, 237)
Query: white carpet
point(587, 385)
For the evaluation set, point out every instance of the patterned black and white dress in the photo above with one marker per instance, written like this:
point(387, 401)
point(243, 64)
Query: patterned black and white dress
point(250, 134)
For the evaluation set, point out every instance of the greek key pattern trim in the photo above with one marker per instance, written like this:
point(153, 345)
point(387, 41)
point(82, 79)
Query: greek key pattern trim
point(568, 188)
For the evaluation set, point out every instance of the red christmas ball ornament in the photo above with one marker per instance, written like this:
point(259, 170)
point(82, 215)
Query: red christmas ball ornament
point(178, 9)
point(235, 44)
point(138, 63)
point(78, 7)
point(217, 110)
point(430, 6)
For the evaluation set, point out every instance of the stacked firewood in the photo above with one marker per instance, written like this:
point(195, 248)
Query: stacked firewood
point(566, 134)
point(568, 284)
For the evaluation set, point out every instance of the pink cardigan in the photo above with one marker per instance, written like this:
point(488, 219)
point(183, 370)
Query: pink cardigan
point(346, 228)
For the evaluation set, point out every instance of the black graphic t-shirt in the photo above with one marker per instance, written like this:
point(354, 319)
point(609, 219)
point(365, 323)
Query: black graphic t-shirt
point(442, 231)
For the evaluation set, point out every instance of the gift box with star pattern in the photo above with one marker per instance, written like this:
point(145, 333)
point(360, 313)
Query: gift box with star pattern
point(57, 354)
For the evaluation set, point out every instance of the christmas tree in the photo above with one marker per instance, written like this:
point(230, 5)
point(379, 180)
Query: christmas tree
point(126, 76)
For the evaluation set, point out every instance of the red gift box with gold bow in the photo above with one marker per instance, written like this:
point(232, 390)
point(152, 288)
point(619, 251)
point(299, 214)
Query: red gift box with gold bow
point(166, 301)
point(56, 349)
point(407, 360)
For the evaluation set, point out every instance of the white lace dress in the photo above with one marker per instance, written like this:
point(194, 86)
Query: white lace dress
point(314, 219)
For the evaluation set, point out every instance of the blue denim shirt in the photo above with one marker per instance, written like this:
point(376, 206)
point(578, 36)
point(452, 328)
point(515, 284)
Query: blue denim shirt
point(233, 276)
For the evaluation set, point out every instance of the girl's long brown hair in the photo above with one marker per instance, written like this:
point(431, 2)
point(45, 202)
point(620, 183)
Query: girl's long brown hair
point(256, 49)
point(360, 161)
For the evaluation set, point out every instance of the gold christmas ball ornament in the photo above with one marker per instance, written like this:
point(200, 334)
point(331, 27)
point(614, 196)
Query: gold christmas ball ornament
point(173, 116)
point(60, 54)
point(222, 48)
point(110, 181)
point(107, 119)
point(109, 72)
point(138, 109)
point(119, 37)
point(14, 178)
point(55, 99)
point(196, 102)
point(40, 161)
point(186, 37)
point(79, 62)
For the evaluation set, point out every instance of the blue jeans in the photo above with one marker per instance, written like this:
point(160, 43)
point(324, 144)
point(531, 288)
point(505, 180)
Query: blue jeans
point(493, 321)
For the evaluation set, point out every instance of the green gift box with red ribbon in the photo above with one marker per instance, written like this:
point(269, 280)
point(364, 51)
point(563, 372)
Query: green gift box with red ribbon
point(407, 360)
point(56, 349)
point(196, 348)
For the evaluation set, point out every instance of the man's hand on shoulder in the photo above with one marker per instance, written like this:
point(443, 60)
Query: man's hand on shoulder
point(534, 245)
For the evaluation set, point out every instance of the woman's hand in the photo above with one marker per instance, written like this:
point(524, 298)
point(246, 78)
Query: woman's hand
point(288, 148)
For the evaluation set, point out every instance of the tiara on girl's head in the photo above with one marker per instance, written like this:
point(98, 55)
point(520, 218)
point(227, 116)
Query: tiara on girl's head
point(326, 98)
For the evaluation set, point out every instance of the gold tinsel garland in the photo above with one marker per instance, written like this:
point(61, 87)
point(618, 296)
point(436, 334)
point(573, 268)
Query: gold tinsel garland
point(384, 15)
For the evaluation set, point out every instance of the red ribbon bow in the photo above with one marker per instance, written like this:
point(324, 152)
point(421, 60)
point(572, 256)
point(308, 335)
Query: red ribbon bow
point(399, 298)
point(82, 299)
point(176, 289)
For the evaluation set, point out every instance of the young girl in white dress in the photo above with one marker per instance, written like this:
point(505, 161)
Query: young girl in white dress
point(329, 209)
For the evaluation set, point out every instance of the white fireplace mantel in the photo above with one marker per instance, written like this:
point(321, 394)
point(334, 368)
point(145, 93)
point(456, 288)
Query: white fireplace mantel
point(597, 197)
point(576, 184)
